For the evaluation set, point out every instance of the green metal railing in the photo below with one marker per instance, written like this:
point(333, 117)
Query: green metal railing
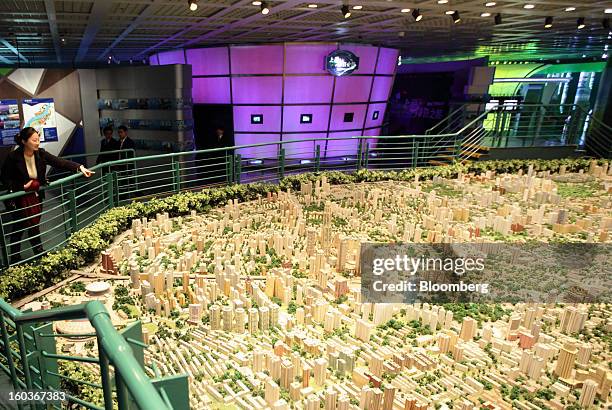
point(29, 357)
point(73, 202)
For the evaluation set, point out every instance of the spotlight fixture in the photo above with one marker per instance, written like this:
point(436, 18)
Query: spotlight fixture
point(345, 11)
point(498, 18)
point(570, 8)
point(193, 6)
point(449, 12)
point(485, 14)
point(405, 10)
point(456, 18)
point(265, 9)
point(605, 23)
point(608, 11)
point(490, 4)
point(357, 7)
point(548, 22)
point(416, 13)
point(580, 23)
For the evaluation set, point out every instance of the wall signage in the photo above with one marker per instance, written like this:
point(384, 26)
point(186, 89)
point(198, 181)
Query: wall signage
point(341, 63)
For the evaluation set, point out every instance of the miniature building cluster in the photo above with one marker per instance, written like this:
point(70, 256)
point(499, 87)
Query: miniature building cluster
point(259, 302)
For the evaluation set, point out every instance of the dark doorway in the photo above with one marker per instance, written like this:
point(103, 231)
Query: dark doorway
point(206, 118)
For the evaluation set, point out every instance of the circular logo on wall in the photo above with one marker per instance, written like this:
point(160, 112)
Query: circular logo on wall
point(341, 63)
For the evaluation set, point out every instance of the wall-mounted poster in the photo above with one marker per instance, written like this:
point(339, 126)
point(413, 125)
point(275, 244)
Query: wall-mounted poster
point(39, 113)
point(9, 121)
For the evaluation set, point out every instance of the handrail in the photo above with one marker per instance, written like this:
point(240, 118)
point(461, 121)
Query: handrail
point(113, 345)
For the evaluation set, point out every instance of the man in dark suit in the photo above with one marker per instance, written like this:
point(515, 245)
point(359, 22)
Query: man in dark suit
point(219, 159)
point(108, 144)
point(125, 171)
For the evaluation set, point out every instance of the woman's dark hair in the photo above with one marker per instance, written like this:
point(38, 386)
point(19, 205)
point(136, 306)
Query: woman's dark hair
point(24, 135)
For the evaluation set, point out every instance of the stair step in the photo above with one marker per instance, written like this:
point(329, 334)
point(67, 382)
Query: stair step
point(436, 162)
point(479, 147)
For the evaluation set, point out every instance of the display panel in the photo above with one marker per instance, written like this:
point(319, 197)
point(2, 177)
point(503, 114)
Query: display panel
point(367, 57)
point(208, 61)
point(211, 90)
point(301, 149)
point(352, 89)
point(381, 88)
point(338, 112)
point(172, 57)
point(257, 90)
point(387, 61)
point(308, 89)
point(9, 121)
point(39, 113)
point(257, 59)
point(371, 121)
point(292, 117)
point(271, 115)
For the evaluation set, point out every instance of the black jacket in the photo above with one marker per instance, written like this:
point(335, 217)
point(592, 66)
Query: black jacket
point(128, 143)
point(15, 172)
point(105, 146)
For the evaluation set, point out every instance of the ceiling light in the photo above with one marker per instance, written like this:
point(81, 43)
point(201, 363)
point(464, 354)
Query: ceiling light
point(529, 6)
point(548, 22)
point(265, 9)
point(604, 55)
point(345, 11)
point(490, 4)
point(449, 12)
point(313, 6)
point(608, 11)
point(416, 13)
point(193, 6)
point(256, 3)
point(498, 18)
point(456, 18)
point(605, 23)
point(405, 10)
point(485, 14)
point(442, 1)
point(357, 7)
point(580, 23)
point(570, 8)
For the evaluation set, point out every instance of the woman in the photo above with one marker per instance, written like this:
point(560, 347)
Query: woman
point(24, 170)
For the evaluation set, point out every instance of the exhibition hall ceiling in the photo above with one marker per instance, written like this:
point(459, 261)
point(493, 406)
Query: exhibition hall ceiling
point(35, 32)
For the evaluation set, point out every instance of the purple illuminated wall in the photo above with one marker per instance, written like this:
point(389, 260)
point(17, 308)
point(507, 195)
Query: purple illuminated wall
point(284, 82)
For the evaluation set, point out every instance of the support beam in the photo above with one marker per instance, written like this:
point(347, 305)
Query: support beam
point(5, 60)
point(196, 26)
point(258, 16)
point(99, 12)
point(13, 49)
point(52, 18)
point(135, 23)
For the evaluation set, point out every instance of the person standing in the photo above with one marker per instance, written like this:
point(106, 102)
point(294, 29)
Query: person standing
point(219, 159)
point(108, 144)
point(25, 170)
point(125, 171)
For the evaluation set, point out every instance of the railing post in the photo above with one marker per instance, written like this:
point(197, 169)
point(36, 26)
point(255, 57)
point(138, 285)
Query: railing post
point(415, 154)
point(8, 352)
point(359, 153)
point(238, 169)
point(4, 250)
point(72, 210)
point(281, 163)
point(542, 111)
point(366, 155)
point(176, 175)
point(110, 188)
point(104, 374)
point(229, 168)
point(122, 393)
point(317, 158)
